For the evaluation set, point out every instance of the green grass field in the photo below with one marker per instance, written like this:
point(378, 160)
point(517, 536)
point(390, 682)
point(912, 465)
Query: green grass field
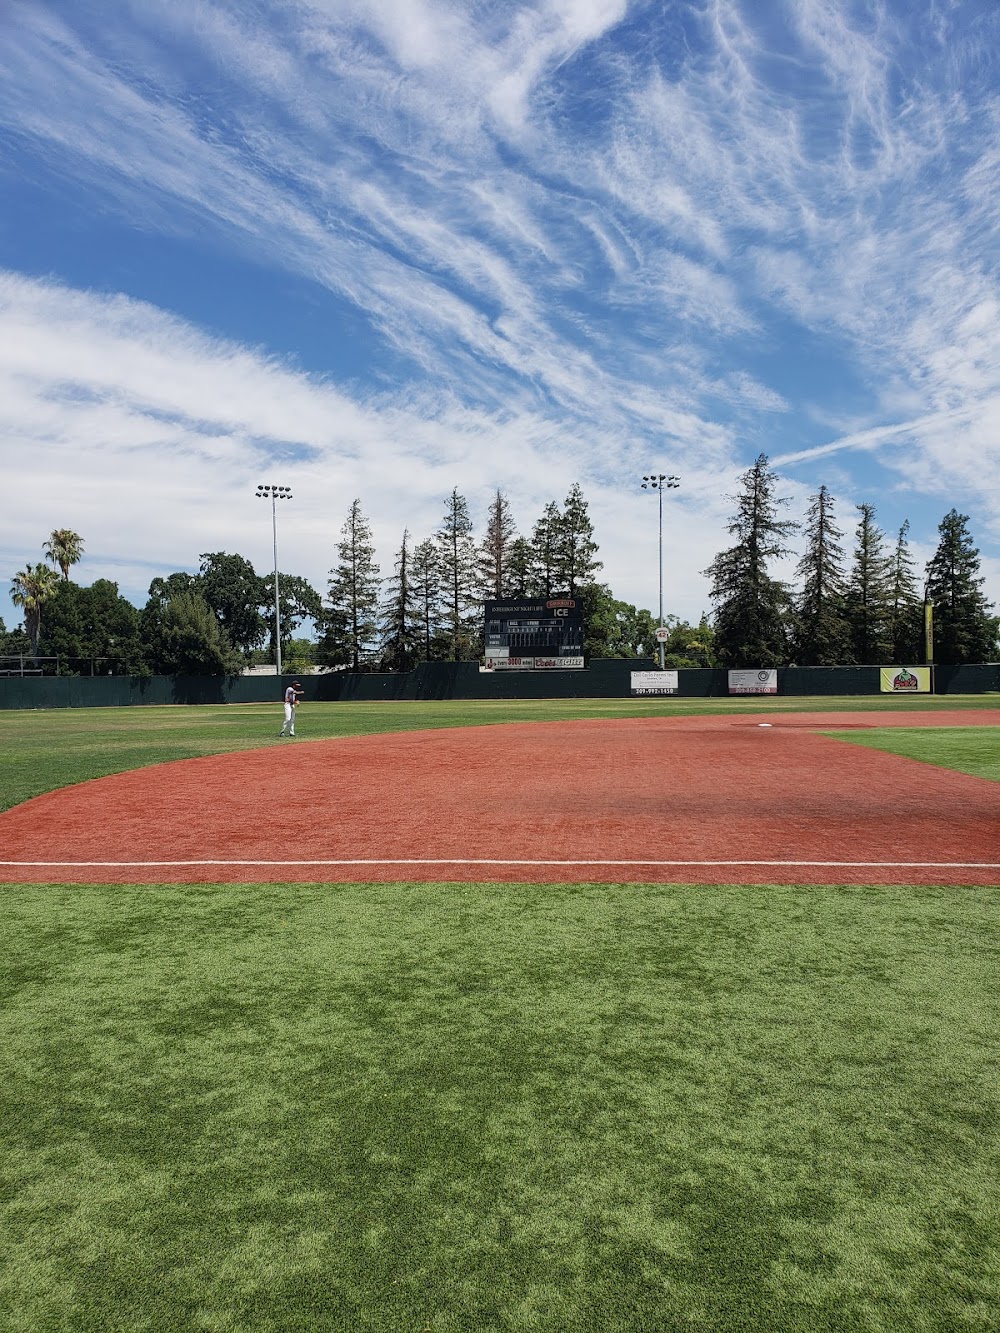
point(461, 1108)
point(974, 750)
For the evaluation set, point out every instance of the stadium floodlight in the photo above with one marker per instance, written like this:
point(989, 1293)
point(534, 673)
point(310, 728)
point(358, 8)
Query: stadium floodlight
point(660, 482)
point(274, 493)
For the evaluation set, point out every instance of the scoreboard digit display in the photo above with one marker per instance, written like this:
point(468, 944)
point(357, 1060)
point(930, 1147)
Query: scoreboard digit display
point(534, 634)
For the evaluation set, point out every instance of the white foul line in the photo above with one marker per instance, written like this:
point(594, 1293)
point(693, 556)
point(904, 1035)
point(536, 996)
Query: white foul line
point(467, 861)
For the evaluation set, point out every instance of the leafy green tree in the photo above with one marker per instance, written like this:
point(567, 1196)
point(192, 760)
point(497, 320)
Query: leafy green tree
point(64, 549)
point(869, 604)
point(298, 655)
point(162, 590)
point(459, 579)
point(822, 629)
point(614, 628)
point(351, 616)
point(689, 645)
point(576, 550)
point(906, 608)
point(426, 587)
point(495, 550)
point(751, 608)
point(31, 588)
point(964, 628)
point(15, 643)
point(94, 629)
point(298, 601)
point(401, 614)
point(234, 591)
point(191, 640)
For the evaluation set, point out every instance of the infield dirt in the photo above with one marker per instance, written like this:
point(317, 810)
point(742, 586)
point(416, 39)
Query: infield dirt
point(691, 799)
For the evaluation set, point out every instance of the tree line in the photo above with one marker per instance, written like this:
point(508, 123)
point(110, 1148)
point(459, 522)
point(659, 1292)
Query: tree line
point(870, 611)
point(864, 609)
point(429, 608)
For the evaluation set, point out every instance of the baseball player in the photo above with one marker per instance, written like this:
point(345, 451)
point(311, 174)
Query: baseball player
point(292, 696)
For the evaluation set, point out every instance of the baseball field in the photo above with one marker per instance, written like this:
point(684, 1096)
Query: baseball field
point(596, 1015)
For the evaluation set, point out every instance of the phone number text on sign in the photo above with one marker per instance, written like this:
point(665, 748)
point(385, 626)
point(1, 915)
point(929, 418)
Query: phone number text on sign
point(764, 681)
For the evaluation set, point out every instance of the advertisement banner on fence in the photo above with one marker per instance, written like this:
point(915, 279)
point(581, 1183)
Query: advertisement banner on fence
point(905, 680)
point(558, 663)
point(534, 664)
point(654, 682)
point(764, 681)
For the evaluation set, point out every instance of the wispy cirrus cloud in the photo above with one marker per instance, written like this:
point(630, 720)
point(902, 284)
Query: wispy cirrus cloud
point(610, 222)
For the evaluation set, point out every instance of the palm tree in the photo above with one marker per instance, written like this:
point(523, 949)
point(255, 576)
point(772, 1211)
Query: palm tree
point(64, 548)
point(31, 588)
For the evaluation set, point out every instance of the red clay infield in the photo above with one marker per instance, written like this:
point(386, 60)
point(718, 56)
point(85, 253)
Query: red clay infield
point(687, 799)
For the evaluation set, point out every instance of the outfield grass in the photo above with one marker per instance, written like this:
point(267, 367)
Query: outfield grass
point(974, 750)
point(43, 750)
point(491, 1108)
point(443, 1108)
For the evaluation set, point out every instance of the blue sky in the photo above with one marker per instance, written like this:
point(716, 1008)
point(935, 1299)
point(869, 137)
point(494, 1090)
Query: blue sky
point(384, 248)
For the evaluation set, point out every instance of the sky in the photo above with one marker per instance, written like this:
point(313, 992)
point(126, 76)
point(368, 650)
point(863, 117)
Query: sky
point(381, 249)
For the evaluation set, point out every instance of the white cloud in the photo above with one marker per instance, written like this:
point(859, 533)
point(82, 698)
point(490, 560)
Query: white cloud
point(159, 434)
point(572, 232)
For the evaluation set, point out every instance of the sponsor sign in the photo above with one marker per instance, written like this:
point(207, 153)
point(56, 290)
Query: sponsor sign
point(498, 652)
point(653, 682)
point(558, 663)
point(535, 663)
point(905, 680)
point(764, 681)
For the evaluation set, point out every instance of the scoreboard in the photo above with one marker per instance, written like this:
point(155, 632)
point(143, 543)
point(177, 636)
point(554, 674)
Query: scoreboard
point(534, 634)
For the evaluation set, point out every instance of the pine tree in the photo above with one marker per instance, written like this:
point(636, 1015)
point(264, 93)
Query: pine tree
point(964, 628)
point(751, 608)
point(869, 606)
point(495, 551)
point(575, 545)
point(425, 584)
point(545, 543)
point(519, 578)
point(905, 606)
point(351, 620)
point(822, 631)
point(457, 563)
point(400, 615)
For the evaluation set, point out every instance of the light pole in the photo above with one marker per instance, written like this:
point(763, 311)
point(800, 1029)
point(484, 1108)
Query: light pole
point(660, 482)
point(275, 493)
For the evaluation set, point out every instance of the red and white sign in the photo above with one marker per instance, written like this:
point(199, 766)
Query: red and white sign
point(764, 681)
point(536, 663)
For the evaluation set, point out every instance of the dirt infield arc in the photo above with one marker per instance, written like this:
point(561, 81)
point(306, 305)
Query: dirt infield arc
point(692, 799)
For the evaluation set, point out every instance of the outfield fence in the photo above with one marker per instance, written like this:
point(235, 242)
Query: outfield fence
point(605, 678)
